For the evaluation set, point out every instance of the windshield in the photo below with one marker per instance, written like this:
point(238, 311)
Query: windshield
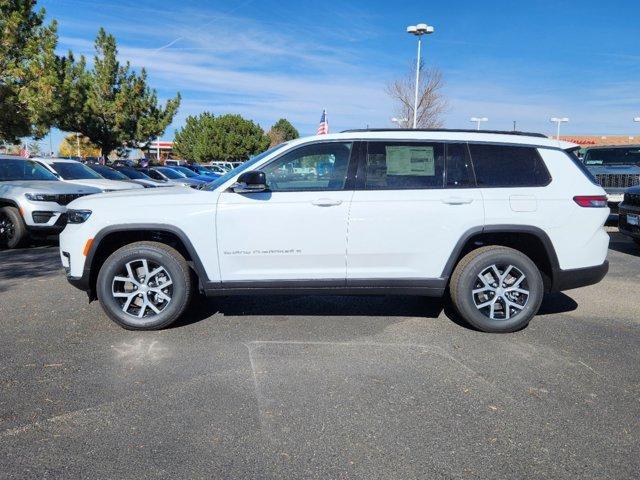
point(23, 170)
point(202, 170)
point(612, 156)
point(133, 174)
point(108, 172)
point(170, 173)
point(185, 171)
point(241, 168)
point(75, 171)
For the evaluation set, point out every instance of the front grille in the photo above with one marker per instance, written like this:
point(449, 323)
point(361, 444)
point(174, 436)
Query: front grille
point(617, 180)
point(67, 198)
point(632, 199)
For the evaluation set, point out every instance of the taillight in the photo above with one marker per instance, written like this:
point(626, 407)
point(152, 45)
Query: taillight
point(591, 201)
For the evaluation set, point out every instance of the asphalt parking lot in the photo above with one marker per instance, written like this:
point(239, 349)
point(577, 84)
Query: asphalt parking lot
point(317, 387)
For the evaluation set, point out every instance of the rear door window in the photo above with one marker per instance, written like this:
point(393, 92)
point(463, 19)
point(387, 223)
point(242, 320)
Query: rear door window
point(508, 166)
point(404, 165)
point(458, 167)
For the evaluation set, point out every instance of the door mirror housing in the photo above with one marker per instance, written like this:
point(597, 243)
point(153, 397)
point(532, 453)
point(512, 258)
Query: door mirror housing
point(251, 182)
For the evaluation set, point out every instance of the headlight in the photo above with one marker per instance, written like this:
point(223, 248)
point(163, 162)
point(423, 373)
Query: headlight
point(78, 216)
point(40, 197)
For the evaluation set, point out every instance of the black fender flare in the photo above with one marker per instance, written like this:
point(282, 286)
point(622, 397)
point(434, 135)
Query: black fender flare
point(506, 228)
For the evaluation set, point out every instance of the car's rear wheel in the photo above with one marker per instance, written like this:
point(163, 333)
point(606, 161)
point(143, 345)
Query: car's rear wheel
point(144, 286)
point(496, 289)
point(13, 231)
point(637, 241)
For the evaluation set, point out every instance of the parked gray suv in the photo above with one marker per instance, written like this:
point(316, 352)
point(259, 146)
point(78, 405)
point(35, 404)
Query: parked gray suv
point(616, 168)
point(32, 200)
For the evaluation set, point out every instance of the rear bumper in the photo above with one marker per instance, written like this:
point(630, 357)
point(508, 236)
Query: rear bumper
point(580, 277)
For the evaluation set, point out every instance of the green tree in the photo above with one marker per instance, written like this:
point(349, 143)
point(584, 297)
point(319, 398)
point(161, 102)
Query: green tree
point(111, 104)
point(29, 71)
point(282, 131)
point(227, 137)
point(69, 147)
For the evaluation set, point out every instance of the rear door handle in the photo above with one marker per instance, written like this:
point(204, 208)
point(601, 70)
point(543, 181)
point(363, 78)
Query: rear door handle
point(457, 200)
point(326, 202)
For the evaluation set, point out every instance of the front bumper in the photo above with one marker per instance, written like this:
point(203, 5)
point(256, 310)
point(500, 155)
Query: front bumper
point(579, 277)
point(43, 216)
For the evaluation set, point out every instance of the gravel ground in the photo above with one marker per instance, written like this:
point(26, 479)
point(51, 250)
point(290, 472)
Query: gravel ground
point(317, 387)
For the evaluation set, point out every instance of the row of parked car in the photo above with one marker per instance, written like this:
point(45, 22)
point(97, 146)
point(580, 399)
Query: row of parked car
point(34, 193)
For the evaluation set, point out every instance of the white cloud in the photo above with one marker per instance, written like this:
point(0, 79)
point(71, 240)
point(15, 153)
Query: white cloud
point(273, 68)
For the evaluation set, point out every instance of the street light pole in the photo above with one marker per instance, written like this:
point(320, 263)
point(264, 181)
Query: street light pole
point(418, 30)
point(558, 121)
point(478, 121)
point(415, 99)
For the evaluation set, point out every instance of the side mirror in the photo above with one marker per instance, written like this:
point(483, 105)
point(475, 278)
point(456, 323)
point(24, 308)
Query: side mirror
point(251, 182)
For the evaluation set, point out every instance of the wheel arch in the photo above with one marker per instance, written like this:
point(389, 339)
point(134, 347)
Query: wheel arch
point(5, 202)
point(530, 240)
point(113, 237)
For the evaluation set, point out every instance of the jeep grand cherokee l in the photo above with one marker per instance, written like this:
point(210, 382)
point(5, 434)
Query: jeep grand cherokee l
point(495, 219)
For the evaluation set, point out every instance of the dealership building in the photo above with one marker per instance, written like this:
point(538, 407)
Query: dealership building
point(594, 140)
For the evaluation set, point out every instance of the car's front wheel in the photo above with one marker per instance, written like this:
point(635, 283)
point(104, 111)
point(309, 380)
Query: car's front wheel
point(144, 286)
point(13, 231)
point(496, 289)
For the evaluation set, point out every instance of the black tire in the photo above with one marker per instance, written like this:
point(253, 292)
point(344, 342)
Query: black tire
point(13, 231)
point(156, 255)
point(636, 241)
point(466, 278)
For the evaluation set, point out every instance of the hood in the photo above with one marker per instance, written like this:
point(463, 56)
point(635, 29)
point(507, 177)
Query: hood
point(191, 181)
point(104, 184)
point(151, 183)
point(144, 197)
point(43, 186)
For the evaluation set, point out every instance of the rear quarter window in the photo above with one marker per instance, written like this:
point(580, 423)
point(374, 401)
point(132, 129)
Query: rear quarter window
point(508, 166)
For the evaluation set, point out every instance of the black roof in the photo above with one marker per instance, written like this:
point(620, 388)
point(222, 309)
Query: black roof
point(451, 130)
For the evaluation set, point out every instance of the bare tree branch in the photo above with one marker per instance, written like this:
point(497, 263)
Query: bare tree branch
point(431, 102)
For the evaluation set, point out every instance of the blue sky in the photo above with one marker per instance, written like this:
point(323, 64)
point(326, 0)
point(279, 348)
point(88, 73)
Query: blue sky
point(506, 60)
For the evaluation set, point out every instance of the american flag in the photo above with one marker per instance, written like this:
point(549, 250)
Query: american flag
point(24, 152)
point(323, 128)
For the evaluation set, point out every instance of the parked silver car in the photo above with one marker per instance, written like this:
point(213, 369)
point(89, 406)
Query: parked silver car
point(32, 200)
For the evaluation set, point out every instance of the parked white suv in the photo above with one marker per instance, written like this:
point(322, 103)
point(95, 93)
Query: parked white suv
point(497, 219)
point(32, 200)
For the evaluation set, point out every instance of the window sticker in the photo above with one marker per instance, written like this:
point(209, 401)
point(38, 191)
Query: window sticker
point(417, 161)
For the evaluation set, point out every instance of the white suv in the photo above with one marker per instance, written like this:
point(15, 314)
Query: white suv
point(497, 219)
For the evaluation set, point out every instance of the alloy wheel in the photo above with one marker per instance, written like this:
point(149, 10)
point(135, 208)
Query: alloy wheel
point(501, 292)
point(143, 289)
point(7, 228)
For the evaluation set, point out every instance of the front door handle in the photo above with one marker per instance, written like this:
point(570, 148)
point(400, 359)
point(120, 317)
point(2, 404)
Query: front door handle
point(457, 200)
point(326, 202)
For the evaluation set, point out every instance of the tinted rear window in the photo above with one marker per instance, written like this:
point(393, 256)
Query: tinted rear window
point(508, 166)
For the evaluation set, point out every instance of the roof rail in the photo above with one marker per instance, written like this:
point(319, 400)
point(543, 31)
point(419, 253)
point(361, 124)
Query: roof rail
point(451, 130)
